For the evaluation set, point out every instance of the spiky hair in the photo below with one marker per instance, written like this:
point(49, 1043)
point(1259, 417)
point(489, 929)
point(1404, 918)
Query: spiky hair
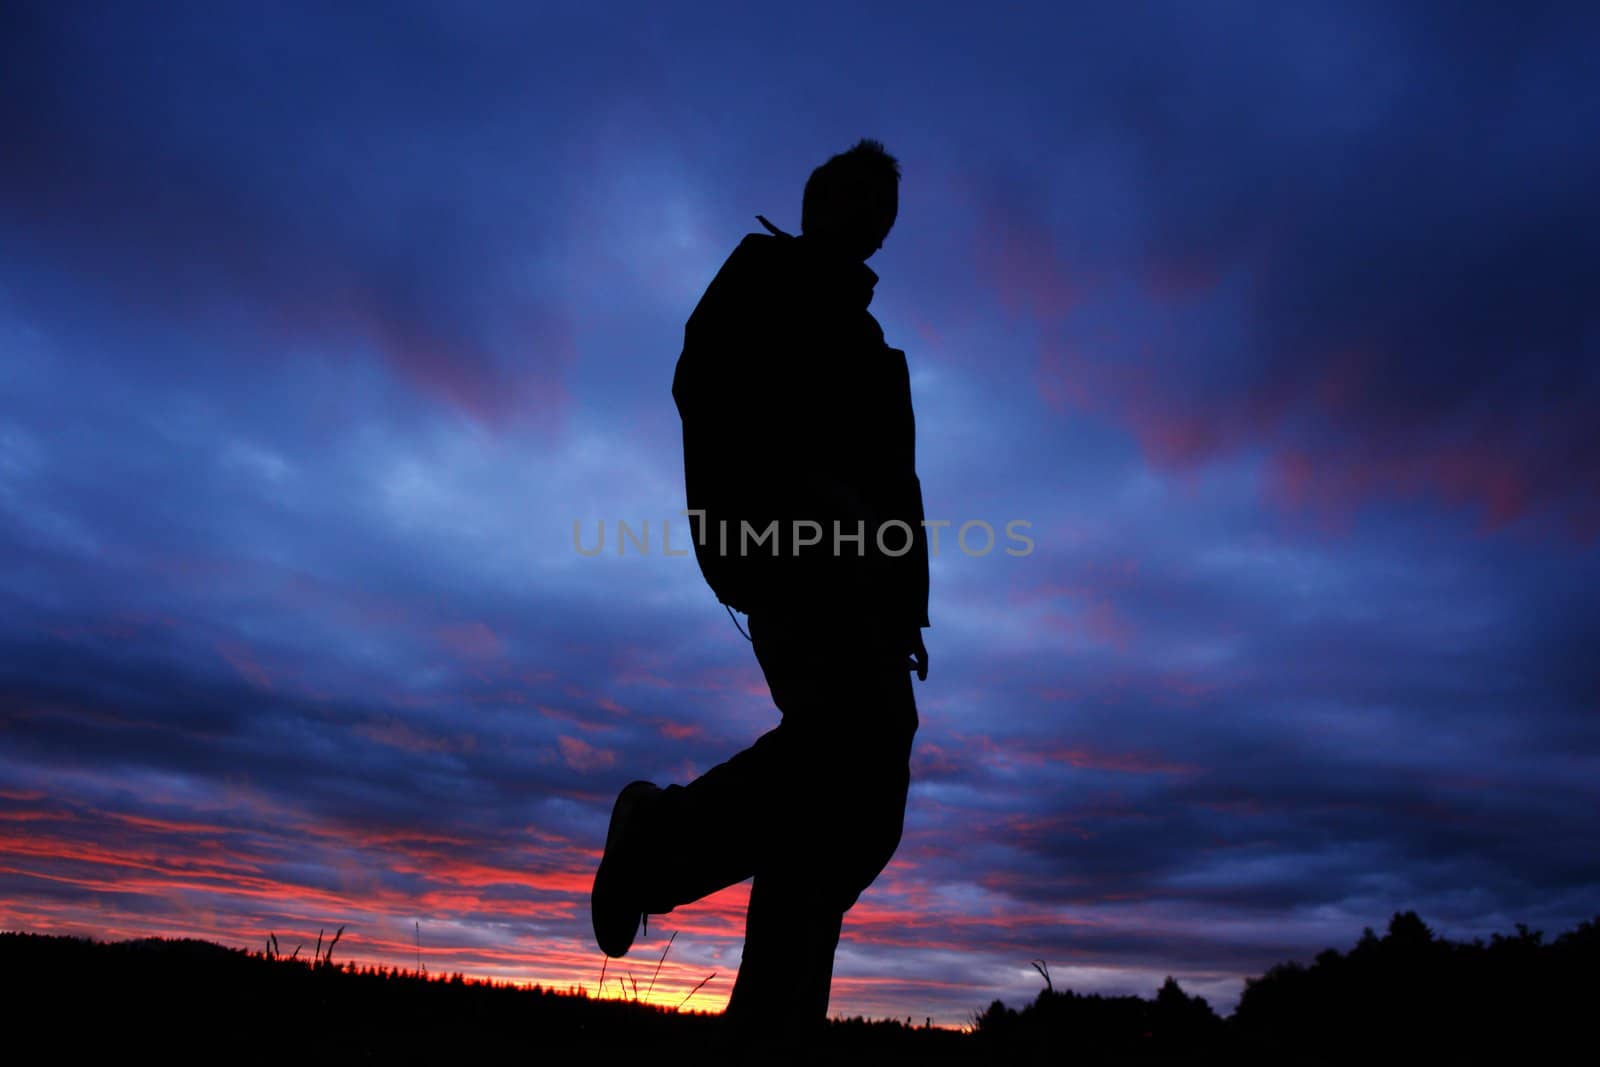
point(854, 180)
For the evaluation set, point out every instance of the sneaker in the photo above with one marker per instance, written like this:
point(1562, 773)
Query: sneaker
point(616, 904)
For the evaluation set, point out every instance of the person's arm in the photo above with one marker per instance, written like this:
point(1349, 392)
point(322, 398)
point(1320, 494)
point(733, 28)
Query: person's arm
point(910, 569)
point(909, 587)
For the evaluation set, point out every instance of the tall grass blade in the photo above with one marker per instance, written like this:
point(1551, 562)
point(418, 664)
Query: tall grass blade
point(696, 989)
point(659, 962)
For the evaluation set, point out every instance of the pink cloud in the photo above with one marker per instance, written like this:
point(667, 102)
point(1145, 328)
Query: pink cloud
point(1017, 258)
point(582, 756)
point(471, 641)
point(1328, 450)
point(239, 657)
point(397, 734)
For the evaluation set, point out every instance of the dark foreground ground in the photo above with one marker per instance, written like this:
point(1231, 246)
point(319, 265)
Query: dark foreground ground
point(1406, 994)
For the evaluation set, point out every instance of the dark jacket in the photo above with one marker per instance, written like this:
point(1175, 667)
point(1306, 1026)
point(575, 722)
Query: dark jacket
point(794, 408)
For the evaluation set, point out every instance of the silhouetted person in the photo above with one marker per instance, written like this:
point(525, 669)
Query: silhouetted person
point(795, 412)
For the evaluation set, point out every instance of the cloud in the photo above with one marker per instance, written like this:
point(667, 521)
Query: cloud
point(197, 185)
point(322, 330)
point(1374, 294)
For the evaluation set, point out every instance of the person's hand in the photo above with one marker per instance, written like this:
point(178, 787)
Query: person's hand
point(919, 655)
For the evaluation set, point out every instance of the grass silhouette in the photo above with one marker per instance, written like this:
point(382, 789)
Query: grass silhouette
point(1408, 993)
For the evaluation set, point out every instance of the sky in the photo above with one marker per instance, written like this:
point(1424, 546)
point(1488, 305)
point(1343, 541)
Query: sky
point(323, 326)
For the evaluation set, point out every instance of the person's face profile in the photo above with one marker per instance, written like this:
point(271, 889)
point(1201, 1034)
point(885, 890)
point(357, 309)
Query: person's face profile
point(887, 210)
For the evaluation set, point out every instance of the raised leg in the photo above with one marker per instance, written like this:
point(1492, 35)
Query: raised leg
point(813, 810)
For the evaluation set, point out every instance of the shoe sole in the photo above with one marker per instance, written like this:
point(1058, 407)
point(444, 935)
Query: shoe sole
point(615, 919)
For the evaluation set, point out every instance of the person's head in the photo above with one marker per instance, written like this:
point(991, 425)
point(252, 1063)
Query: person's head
point(851, 201)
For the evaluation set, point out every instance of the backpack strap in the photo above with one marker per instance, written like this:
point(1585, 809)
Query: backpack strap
point(771, 228)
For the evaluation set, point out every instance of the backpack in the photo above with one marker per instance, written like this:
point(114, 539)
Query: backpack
point(768, 439)
point(711, 380)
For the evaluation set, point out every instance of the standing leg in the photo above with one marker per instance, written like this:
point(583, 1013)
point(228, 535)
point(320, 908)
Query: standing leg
point(786, 972)
point(849, 718)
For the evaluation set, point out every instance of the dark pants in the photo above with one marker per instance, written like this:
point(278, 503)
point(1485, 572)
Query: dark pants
point(813, 811)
